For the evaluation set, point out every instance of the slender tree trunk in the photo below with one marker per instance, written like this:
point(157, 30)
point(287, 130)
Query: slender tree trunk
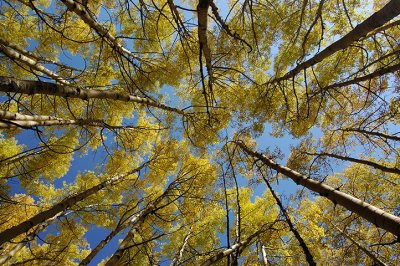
point(179, 255)
point(303, 245)
point(101, 245)
point(27, 239)
point(109, 237)
point(15, 55)
point(378, 73)
point(264, 255)
point(202, 16)
point(204, 50)
point(379, 18)
point(226, 215)
point(177, 18)
point(38, 87)
point(222, 23)
point(235, 256)
point(378, 217)
point(360, 161)
point(238, 230)
point(382, 28)
point(241, 245)
point(29, 124)
point(104, 33)
point(19, 157)
point(116, 257)
point(366, 251)
point(12, 120)
point(136, 223)
point(37, 57)
point(21, 117)
point(63, 205)
point(372, 133)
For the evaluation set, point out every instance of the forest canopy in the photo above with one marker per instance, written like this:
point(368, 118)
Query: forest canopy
point(162, 132)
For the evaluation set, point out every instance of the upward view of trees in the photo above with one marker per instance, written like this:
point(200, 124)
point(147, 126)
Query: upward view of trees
point(156, 132)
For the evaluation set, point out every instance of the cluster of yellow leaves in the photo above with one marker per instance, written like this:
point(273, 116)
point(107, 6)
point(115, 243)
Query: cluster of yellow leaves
point(9, 149)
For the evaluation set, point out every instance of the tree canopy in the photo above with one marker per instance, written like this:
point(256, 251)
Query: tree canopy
point(136, 132)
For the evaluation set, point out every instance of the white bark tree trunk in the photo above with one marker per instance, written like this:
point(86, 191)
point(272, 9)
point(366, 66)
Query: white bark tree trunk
point(79, 10)
point(241, 245)
point(378, 19)
point(178, 256)
point(264, 255)
point(62, 206)
point(378, 217)
point(27, 239)
point(136, 223)
point(37, 87)
point(15, 55)
point(366, 251)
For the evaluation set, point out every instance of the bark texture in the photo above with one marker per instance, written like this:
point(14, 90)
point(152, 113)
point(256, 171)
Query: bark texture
point(136, 223)
point(15, 55)
point(178, 256)
point(378, 261)
point(27, 239)
point(241, 245)
point(102, 243)
point(378, 19)
point(303, 245)
point(378, 217)
point(360, 161)
point(62, 206)
point(38, 87)
point(81, 11)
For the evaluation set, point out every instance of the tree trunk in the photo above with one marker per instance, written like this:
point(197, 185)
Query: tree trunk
point(366, 251)
point(38, 87)
point(372, 133)
point(303, 245)
point(12, 120)
point(63, 205)
point(116, 257)
point(38, 57)
point(378, 217)
point(104, 33)
point(382, 28)
point(102, 243)
point(178, 256)
point(23, 155)
point(360, 161)
point(21, 117)
point(241, 245)
point(29, 124)
point(202, 17)
point(136, 223)
point(15, 55)
point(27, 239)
point(264, 255)
point(378, 73)
point(177, 18)
point(379, 18)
